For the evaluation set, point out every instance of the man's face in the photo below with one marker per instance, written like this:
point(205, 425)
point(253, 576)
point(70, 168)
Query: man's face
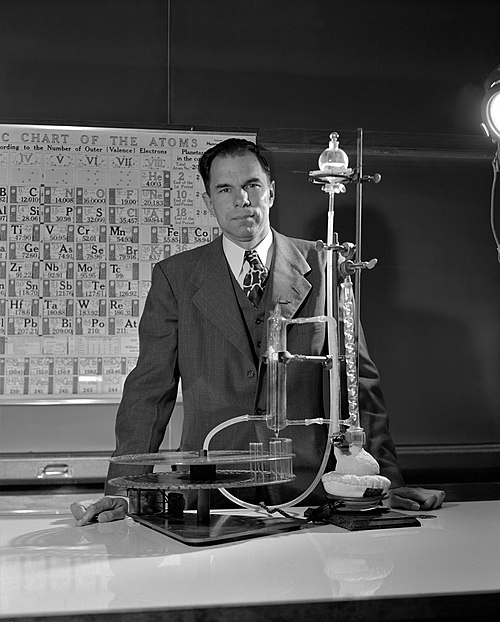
point(240, 198)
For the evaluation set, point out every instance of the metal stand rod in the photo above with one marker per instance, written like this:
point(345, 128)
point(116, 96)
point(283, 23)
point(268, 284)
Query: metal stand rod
point(335, 287)
point(357, 276)
point(203, 507)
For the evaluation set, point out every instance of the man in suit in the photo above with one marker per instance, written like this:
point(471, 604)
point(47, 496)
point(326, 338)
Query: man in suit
point(198, 325)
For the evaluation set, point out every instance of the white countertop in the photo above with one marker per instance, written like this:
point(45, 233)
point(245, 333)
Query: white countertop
point(49, 566)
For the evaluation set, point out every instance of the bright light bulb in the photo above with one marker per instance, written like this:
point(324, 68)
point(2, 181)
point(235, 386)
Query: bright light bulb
point(493, 113)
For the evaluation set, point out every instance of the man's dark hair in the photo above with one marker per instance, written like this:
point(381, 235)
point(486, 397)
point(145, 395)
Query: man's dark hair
point(230, 148)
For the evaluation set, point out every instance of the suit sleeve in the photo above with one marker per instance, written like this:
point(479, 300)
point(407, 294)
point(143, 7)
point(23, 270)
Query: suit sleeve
point(374, 419)
point(150, 390)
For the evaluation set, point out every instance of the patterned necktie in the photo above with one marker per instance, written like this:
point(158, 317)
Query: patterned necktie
point(254, 281)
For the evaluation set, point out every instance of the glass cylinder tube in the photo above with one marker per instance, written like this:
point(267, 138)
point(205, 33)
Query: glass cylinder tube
point(276, 372)
point(280, 452)
point(257, 466)
point(275, 455)
point(347, 301)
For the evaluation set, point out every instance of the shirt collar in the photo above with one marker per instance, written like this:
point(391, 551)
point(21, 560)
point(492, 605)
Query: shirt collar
point(235, 254)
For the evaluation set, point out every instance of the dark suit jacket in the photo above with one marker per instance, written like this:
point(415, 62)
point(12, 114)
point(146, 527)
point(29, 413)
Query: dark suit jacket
point(192, 327)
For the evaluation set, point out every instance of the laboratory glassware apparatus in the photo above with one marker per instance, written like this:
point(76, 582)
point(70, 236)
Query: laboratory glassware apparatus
point(206, 469)
point(344, 261)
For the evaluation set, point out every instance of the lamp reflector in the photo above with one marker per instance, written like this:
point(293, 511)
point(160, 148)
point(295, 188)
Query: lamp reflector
point(492, 114)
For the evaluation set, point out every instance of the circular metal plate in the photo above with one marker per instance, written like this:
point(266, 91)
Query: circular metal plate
point(182, 480)
point(171, 458)
point(358, 503)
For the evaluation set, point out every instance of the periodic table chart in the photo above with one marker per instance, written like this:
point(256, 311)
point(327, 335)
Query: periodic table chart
point(85, 213)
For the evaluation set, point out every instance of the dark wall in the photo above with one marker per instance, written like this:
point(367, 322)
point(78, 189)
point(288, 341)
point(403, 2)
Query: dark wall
point(102, 62)
point(409, 73)
point(431, 306)
point(387, 65)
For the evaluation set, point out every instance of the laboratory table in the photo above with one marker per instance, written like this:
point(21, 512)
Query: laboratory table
point(448, 568)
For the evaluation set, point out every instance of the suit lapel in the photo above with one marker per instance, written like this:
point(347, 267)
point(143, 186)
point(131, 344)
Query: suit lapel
point(215, 296)
point(289, 286)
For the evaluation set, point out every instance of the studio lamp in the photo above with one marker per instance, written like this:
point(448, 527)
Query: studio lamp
point(491, 126)
point(491, 106)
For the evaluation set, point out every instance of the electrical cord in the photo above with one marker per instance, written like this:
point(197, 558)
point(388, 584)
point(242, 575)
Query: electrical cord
point(496, 168)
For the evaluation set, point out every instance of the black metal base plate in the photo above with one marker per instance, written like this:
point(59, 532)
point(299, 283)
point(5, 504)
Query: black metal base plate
point(359, 521)
point(379, 517)
point(222, 528)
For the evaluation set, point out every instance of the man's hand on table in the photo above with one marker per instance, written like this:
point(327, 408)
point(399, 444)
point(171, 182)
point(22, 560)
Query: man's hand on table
point(408, 498)
point(103, 510)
